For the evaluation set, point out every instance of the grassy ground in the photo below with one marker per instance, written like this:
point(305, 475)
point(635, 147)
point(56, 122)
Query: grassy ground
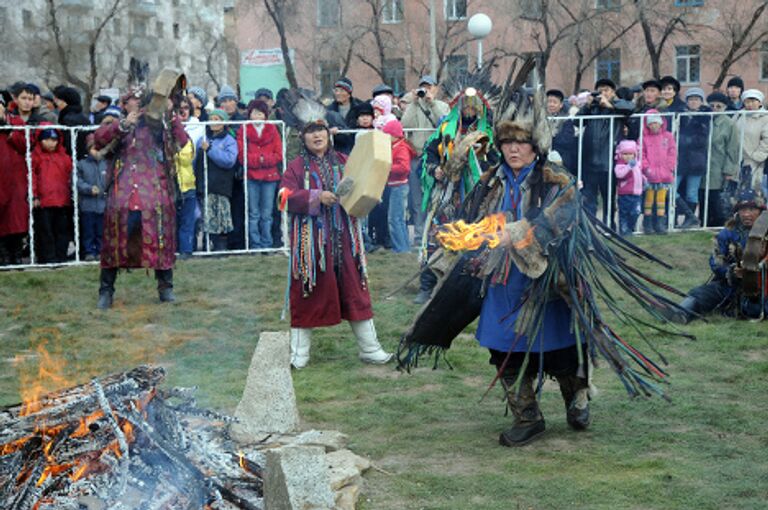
point(432, 439)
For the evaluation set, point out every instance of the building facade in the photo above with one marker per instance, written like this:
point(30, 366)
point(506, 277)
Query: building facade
point(184, 34)
point(374, 41)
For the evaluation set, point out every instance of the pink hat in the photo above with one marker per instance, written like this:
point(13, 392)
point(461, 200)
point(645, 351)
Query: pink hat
point(393, 128)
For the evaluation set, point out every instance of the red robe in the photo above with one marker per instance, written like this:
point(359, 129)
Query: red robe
point(334, 296)
point(14, 207)
point(140, 181)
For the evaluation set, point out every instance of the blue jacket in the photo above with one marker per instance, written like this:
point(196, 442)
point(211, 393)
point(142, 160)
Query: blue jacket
point(222, 160)
point(729, 240)
point(90, 173)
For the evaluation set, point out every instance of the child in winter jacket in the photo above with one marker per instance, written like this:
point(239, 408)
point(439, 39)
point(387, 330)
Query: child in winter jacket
point(91, 178)
point(265, 155)
point(402, 153)
point(382, 111)
point(659, 156)
point(52, 196)
point(629, 178)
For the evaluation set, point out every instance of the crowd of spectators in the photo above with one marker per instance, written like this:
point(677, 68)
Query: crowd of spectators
point(677, 139)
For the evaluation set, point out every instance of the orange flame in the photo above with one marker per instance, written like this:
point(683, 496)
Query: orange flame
point(48, 377)
point(461, 236)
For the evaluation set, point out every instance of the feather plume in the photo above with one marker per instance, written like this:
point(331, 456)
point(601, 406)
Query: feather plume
point(138, 74)
point(479, 79)
point(527, 108)
point(298, 108)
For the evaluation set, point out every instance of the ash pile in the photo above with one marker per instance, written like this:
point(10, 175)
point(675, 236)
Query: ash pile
point(120, 442)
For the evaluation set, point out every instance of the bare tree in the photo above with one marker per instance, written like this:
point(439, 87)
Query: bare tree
point(62, 47)
point(281, 11)
point(659, 24)
point(745, 27)
point(382, 39)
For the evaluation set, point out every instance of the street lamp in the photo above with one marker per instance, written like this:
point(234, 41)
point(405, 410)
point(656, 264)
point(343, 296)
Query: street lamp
point(479, 27)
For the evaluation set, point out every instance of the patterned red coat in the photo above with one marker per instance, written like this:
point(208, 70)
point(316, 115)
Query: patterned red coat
point(140, 179)
point(338, 293)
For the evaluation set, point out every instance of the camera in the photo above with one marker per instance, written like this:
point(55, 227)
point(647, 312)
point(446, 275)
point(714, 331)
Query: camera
point(421, 92)
point(595, 94)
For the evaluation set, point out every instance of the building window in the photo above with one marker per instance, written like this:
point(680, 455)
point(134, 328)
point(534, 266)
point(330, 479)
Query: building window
point(140, 27)
point(394, 74)
point(160, 29)
point(455, 65)
point(609, 65)
point(328, 13)
point(176, 31)
point(117, 26)
point(688, 64)
point(26, 18)
point(606, 5)
point(455, 9)
point(392, 11)
point(764, 61)
point(688, 3)
point(328, 73)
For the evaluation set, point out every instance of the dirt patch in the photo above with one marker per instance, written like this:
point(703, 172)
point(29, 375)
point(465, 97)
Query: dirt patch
point(755, 356)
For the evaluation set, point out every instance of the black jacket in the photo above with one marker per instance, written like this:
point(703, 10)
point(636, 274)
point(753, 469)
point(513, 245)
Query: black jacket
point(345, 141)
point(693, 143)
point(72, 115)
point(597, 151)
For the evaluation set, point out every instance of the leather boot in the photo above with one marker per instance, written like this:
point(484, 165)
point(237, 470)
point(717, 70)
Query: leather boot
point(661, 225)
point(301, 339)
point(575, 392)
point(219, 242)
point(529, 423)
point(368, 343)
point(107, 279)
point(164, 279)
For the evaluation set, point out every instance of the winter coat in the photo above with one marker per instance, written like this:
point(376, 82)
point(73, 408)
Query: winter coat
point(629, 178)
point(634, 123)
point(597, 152)
point(222, 159)
point(724, 156)
point(139, 180)
point(73, 115)
point(91, 172)
point(265, 152)
point(565, 142)
point(421, 114)
point(52, 176)
point(185, 170)
point(755, 148)
point(402, 153)
point(384, 104)
point(342, 142)
point(693, 144)
point(14, 207)
point(659, 154)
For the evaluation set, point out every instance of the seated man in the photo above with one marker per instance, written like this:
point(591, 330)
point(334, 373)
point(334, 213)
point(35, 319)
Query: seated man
point(725, 291)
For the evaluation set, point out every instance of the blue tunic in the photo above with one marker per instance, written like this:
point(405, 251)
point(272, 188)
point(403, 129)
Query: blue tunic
point(496, 328)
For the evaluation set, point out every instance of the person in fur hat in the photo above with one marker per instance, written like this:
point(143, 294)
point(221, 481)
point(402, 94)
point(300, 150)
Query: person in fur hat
point(724, 291)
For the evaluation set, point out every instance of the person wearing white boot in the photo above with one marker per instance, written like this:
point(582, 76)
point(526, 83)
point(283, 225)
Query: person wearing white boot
point(327, 259)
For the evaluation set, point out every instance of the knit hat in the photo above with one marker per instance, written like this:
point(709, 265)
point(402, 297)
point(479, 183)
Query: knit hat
point(670, 80)
point(48, 133)
point(654, 119)
point(111, 111)
point(67, 94)
point(47, 95)
point(364, 108)
point(104, 99)
point(717, 97)
point(695, 92)
point(753, 94)
point(258, 104)
point(382, 88)
point(383, 103)
point(605, 82)
point(225, 93)
point(344, 83)
point(749, 198)
point(393, 128)
point(35, 89)
point(265, 92)
point(736, 81)
point(626, 146)
point(199, 93)
point(219, 113)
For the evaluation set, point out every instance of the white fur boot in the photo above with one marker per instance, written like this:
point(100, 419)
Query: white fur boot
point(301, 338)
point(368, 343)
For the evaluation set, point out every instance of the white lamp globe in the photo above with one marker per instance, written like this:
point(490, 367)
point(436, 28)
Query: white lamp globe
point(479, 25)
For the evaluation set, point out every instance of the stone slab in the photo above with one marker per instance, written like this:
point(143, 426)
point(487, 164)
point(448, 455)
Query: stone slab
point(297, 479)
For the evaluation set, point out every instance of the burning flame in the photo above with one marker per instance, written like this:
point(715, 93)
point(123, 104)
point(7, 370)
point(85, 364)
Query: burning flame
point(461, 236)
point(49, 377)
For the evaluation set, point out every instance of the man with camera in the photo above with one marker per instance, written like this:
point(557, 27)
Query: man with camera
point(599, 139)
point(423, 112)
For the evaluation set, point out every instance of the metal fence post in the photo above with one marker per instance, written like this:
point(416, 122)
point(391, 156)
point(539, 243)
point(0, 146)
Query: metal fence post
point(705, 216)
point(75, 201)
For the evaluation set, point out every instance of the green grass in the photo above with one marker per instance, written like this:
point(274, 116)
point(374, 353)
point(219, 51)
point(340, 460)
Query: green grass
point(431, 438)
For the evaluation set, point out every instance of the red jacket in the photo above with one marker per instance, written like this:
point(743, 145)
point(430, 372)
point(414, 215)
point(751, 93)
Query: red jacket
point(402, 154)
point(265, 152)
point(14, 208)
point(52, 176)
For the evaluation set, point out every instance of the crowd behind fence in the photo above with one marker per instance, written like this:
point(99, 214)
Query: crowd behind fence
point(619, 126)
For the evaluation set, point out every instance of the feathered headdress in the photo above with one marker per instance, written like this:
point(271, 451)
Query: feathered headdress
point(300, 110)
point(477, 82)
point(138, 79)
point(524, 112)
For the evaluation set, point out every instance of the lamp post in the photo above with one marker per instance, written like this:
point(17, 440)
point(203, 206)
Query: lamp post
point(479, 27)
